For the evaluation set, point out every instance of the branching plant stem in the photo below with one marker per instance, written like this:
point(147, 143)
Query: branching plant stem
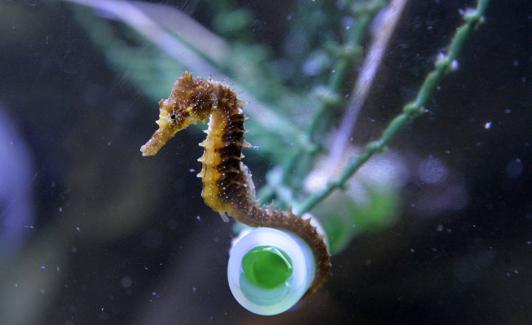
point(446, 62)
point(350, 55)
point(382, 32)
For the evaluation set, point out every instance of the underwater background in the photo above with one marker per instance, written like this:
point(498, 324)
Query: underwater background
point(91, 232)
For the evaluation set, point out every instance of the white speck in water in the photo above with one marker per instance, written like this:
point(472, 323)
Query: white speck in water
point(43, 267)
point(60, 209)
point(348, 22)
point(439, 228)
point(516, 63)
point(16, 285)
point(198, 218)
point(78, 229)
point(454, 65)
point(507, 110)
point(516, 271)
point(194, 289)
point(487, 125)
point(412, 250)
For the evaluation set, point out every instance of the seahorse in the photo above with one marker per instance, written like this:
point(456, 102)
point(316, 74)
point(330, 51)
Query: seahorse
point(227, 185)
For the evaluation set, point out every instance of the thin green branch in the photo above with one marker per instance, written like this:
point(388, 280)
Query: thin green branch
point(412, 110)
point(381, 36)
point(350, 55)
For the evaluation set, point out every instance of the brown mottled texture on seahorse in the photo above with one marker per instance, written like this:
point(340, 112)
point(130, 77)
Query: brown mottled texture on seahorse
point(227, 186)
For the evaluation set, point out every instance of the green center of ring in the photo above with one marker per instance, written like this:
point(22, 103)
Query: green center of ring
point(267, 267)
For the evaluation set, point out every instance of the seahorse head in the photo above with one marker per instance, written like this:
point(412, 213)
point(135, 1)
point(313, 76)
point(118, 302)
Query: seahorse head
point(190, 102)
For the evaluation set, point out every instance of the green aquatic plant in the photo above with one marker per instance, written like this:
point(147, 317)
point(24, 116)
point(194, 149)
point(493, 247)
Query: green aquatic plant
point(274, 124)
point(446, 62)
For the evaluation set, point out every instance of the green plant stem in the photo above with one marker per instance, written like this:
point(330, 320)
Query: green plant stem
point(412, 110)
point(350, 55)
